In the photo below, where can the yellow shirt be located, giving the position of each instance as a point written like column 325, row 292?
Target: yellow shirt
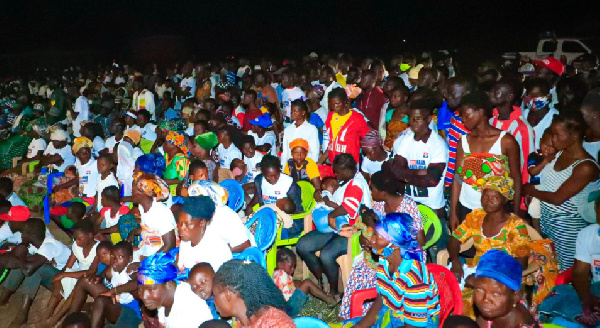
column 341, row 79
column 337, row 122
column 312, row 170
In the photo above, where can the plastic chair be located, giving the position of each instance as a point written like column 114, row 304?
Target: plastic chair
column 235, row 201
column 49, row 193
column 308, row 203
column 358, row 298
column 265, row 232
column 565, row 277
column 448, row 290
column 309, row 322
column 430, row 219
column 252, row 254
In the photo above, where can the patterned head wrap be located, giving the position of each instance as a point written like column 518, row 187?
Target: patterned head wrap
column 372, row 140
column 397, row 229
column 179, row 140
column 218, row 194
column 81, row 142
column 151, row 163
column 352, row 91
column 299, row 143
column 159, row 268
column 152, row 186
column 134, row 135
column 501, row 184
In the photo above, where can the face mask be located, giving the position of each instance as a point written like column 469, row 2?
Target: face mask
column 538, row 103
column 385, row 252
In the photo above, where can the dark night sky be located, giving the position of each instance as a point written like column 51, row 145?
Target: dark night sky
column 277, row 28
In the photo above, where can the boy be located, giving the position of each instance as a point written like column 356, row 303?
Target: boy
column 295, row 291
column 6, row 191
column 33, row 269
column 12, row 221
column 201, row 280
column 147, row 129
column 291, row 92
column 197, row 171
column 252, row 159
column 75, row 213
column 300, row 167
column 264, row 139
column 112, row 209
column 226, row 149
column 106, row 178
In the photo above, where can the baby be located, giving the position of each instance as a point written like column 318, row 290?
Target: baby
column 536, row 162
column 201, row 280
column 329, row 186
column 286, row 205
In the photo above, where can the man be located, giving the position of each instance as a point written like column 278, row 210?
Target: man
column 508, row 117
column 81, row 112
column 549, row 69
column 187, row 86
column 142, row 98
column 371, row 100
column 326, row 80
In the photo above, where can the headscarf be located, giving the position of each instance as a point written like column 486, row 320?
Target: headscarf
column 299, row 143
column 58, row 135
column 218, row 194
column 207, row 141
column 179, row 140
column 81, row 142
column 152, row 186
column 152, row 163
column 134, row 135
column 159, row 268
column 502, row 267
column 397, row 229
column 501, row 184
column 371, row 140
column 352, row 91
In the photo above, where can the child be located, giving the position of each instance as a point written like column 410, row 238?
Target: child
column 300, row 167
column 12, row 221
column 286, row 205
column 111, row 212
column 238, row 169
column 459, row 321
column 197, row 171
column 536, row 162
column 201, row 280
column 68, row 187
column 227, row 150
column 77, row 320
column 252, row 159
column 6, row 191
column 264, row 139
column 106, row 178
column 329, row 185
column 396, row 116
column 295, row 291
column 74, row 213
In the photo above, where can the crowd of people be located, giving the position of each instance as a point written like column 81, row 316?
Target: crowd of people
column 160, row 178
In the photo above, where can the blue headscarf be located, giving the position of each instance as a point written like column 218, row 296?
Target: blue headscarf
column 397, row 229
column 502, row 267
column 152, row 163
column 159, row 268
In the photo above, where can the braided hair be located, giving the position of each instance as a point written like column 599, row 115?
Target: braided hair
column 252, row 283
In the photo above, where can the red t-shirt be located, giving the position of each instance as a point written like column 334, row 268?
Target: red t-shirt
column 250, row 116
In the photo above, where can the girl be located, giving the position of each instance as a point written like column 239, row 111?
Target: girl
column 106, row 178
column 111, row 212
column 396, row 116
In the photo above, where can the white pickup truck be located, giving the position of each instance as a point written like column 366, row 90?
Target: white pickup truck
column 563, row 49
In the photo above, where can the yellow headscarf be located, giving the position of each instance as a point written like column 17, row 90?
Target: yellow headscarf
column 501, row 184
column 134, row 135
column 152, row 186
column 81, row 142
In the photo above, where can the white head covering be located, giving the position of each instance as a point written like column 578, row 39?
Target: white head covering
column 59, row 135
column 211, row 189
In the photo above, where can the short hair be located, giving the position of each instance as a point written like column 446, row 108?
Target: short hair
column 338, row 93
column 514, row 84
column 251, row 93
column 78, row 209
column 215, row 323
column 36, row 228
column 105, row 245
column 467, row 82
column 459, row 321
column 478, row 100
column 248, row 140
column 145, row 113
column 252, row 283
column 124, row 246
column 402, row 89
column 575, row 83
column 285, row 254
column 345, row 161
column 384, row 181
column 85, row 226
column 270, row 161
column 112, row 193
column 573, row 122
column 427, row 104
column 77, row 318
column 592, row 101
column 106, row 157
column 540, row 83
column 300, row 103
column 6, row 185
column 196, row 165
column 202, row 266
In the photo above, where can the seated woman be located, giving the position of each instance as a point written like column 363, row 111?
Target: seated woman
column 491, row 228
column 347, row 199
column 57, row 155
column 407, row 295
column 498, row 292
column 245, row 290
column 160, row 288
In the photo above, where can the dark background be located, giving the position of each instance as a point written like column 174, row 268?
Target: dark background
column 42, row 33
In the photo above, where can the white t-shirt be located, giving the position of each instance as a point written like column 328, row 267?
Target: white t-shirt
column 212, row 249
column 252, row 166
column 188, row 82
column 98, row 146
column 272, row 193
column 227, row 224
column 542, row 125
column 158, row 221
column 188, row 309
column 7, row 235
column 419, row 155
column 103, row 183
column 120, row 279
column 587, row 249
column 148, row 131
column 15, row 200
column 127, row 156
column 227, row 155
column 305, row 131
column 370, row 167
column 35, row 146
column 110, row 143
column 82, row 107
column 268, row 138
column 53, row 250
column 66, row 154
column 287, row 96
column 593, row 148
column 88, row 177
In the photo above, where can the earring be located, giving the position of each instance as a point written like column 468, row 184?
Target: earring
column 515, row 305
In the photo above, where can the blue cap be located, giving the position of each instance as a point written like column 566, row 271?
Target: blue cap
column 235, row 201
column 264, row 121
column 500, row 266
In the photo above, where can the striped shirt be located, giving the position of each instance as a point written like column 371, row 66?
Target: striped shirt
column 410, row 292
column 455, row 132
column 518, row 126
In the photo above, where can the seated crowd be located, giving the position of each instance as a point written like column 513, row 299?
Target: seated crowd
column 162, row 184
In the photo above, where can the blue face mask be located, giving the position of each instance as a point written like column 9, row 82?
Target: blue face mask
column 385, row 252
column 538, row 103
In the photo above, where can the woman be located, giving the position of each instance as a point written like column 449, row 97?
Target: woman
column 491, row 228
column 157, row 221
column 483, row 153
column 407, row 295
column 565, row 184
column 160, row 288
column 347, row 199
column 201, row 147
column 176, row 154
column 271, row 185
column 244, row 290
column 374, row 153
column 388, row 197
column 498, row 293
